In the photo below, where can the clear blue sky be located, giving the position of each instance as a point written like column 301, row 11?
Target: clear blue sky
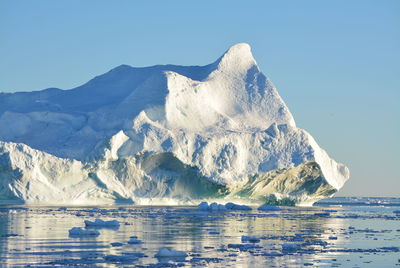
column 335, row 63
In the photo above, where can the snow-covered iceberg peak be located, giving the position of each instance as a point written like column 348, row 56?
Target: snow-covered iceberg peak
column 237, row 60
column 235, row 96
column 164, row 132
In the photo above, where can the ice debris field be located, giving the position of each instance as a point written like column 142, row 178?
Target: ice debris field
column 340, row 232
column 162, row 134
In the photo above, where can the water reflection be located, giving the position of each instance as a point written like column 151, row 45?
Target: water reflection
column 39, row 236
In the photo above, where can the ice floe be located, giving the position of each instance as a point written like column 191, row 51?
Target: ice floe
column 79, row 231
column 99, row 223
column 251, row 239
column 170, row 253
column 134, row 240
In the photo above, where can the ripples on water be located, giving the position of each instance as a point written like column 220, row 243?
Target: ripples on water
column 339, row 232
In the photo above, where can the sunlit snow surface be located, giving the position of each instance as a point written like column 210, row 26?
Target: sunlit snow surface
column 162, row 132
column 340, row 232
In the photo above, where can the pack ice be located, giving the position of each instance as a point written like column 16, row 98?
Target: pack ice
column 164, row 133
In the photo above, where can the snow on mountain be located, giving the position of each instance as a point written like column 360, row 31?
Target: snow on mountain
column 164, row 132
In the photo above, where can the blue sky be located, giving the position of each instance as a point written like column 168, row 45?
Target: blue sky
column 335, row 63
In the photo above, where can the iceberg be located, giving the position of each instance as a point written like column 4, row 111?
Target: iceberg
column 161, row 134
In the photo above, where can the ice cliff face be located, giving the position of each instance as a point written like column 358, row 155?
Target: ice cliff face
column 161, row 133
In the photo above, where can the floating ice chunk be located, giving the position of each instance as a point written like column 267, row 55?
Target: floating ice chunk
column 289, row 247
column 79, row 231
column 233, row 206
column 134, row 240
column 170, row 253
column 229, row 205
column 251, row 239
column 221, row 207
column 214, row 207
column 203, row 206
column 98, row 223
column 217, row 207
column 269, row 208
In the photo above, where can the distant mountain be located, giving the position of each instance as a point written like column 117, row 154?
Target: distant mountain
column 161, row 133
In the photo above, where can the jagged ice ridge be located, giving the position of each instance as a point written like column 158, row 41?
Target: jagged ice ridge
column 164, row 133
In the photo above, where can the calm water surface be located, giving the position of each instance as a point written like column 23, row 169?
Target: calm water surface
column 339, row 232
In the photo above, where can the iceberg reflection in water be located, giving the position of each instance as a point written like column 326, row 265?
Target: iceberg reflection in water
column 364, row 236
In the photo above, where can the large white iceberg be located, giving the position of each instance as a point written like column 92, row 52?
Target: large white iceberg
column 164, row 133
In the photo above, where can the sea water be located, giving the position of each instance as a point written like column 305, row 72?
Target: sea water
column 337, row 232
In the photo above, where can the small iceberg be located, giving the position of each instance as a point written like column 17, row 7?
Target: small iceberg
column 79, row 231
column 134, row 240
column 98, row 223
column 269, row 208
column 217, row 207
column 170, row 253
column 214, row 207
column 203, row 206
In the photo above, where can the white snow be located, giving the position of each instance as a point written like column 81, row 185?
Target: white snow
column 140, row 134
